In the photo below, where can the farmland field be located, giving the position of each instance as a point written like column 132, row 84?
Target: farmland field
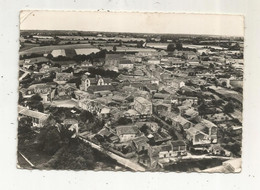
column 158, row 45
column 128, row 49
column 202, row 46
column 86, row 51
column 49, row 49
column 58, row 52
column 70, row 52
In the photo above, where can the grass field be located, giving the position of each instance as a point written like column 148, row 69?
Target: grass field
column 28, row 46
column 36, row 60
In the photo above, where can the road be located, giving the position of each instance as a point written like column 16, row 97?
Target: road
column 24, row 75
column 179, row 136
column 64, row 103
column 127, row 163
column 201, row 157
column 23, row 161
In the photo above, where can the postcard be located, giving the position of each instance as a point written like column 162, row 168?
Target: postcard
column 130, row 91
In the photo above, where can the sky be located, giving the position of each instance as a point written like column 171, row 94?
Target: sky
column 170, row 23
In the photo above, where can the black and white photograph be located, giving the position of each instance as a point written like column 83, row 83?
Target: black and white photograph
column 130, row 91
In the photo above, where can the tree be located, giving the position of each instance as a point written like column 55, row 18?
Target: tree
column 217, row 103
column 20, row 100
column 49, row 56
column 24, row 125
column 69, row 70
column 171, row 47
column 211, row 66
column 144, row 129
column 224, row 83
column 36, row 97
column 179, row 46
column 124, row 121
column 140, row 44
column 229, row 108
column 35, row 103
column 86, row 115
column 202, row 109
column 173, row 134
column 114, row 48
column 52, row 141
column 204, row 54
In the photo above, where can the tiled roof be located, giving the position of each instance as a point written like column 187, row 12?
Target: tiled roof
column 126, row 129
column 178, row 143
column 31, row 113
column 96, row 88
column 142, row 100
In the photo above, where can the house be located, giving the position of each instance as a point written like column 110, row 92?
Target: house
column 209, row 128
column 161, row 95
column 152, row 88
column 125, row 64
column 140, row 143
column 112, row 59
column 159, row 107
column 143, row 106
column 154, row 61
column 236, row 83
column 177, row 63
column 229, row 166
column 80, row 95
column 165, row 151
column 191, row 114
column 131, row 114
column 86, row 64
column 115, row 113
column 99, row 89
column 179, row 148
column 197, row 137
column 171, row 149
column 65, row 91
column 180, row 100
column 158, row 137
column 181, row 123
column 45, row 91
column 38, row 118
column 188, row 90
column 205, row 75
column 193, row 63
column 119, row 98
column 104, row 133
column 190, row 55
column 138, row 73
column 152, row 126
column 233, row 165
column 87, row 81
column 62, row 78
column 148, row 159
column 27, row 63
column 218, row 117
column 126, row 132
column 47, row 69
column 198, row 82
column 216, row 149
column 72, row 125
column 138, row 85
column 183, row 108
column 94, row 107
